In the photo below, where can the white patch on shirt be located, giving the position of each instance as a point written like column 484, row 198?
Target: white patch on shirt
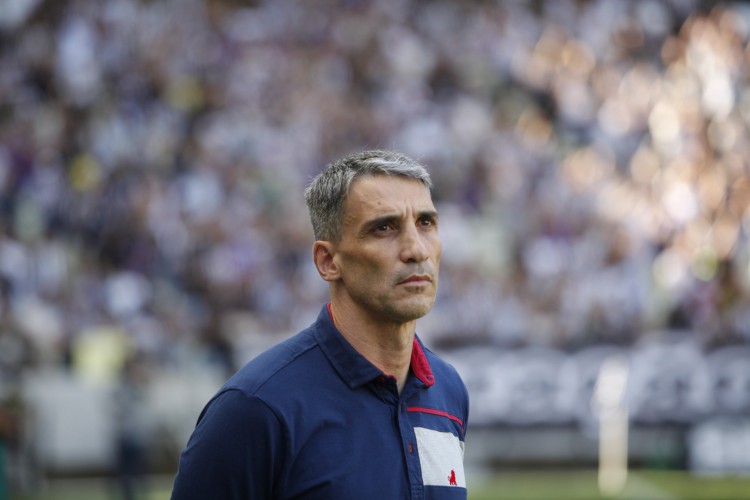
column 441, row 455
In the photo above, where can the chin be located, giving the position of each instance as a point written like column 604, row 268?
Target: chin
column 411, row 312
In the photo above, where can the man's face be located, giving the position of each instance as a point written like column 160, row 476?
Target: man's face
column 389, row 253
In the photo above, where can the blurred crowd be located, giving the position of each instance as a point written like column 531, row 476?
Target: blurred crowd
column 590, row 160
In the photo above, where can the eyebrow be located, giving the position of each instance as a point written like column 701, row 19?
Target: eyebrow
column 430, row 214
column 384, row 219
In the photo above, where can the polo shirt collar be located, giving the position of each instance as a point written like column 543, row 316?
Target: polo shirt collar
column 354, row 368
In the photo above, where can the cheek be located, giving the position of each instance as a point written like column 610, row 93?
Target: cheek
column 437, row 249
column 363, row 266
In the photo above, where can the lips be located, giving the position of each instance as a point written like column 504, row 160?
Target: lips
column 417, row 278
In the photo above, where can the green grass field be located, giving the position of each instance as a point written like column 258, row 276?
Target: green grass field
column 517, row 485
column 579, row 485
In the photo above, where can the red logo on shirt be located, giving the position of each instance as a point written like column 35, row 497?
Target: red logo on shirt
column 452, row 479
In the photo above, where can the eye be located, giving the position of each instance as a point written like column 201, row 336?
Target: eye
column 427, row 221
column 382, row 228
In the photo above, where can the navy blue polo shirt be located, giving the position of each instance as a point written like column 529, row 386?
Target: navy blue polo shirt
column 311, row 418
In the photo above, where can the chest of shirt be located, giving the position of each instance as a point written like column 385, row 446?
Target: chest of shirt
column 375, row 444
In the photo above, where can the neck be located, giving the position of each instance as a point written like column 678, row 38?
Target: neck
column 386, row 345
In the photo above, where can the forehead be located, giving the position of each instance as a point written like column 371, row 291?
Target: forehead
column 386, row 195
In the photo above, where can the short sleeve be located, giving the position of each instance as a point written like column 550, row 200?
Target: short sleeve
column 236, row 451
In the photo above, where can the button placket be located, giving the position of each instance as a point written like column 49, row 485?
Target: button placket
column 409, row 442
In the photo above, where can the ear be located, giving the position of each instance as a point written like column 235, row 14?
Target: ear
column 323, row 252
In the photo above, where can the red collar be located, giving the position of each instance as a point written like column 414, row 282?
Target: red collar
column 419, row 364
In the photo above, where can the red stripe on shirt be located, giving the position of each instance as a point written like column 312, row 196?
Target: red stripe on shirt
column 440, row 413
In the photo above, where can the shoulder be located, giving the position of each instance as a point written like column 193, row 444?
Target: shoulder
column 263, row 384
column 291, row 355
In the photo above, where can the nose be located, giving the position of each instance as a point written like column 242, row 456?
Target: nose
column 414, row 248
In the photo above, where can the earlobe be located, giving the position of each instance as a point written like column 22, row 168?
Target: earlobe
column 324, row 262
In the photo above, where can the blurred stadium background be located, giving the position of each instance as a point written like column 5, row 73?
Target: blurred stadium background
column 591, row 168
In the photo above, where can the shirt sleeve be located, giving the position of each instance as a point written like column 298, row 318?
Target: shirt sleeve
column 235, row 452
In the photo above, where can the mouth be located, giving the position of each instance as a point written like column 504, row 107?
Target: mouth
column 417, row 279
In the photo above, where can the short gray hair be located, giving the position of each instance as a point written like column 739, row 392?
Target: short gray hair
column 327, row 192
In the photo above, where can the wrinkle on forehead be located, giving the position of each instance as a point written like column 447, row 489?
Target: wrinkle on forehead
column 371, row 197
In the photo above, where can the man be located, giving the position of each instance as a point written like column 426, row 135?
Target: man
column 353, row 407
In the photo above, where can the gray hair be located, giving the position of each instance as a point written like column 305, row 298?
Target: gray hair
column 327, row 192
